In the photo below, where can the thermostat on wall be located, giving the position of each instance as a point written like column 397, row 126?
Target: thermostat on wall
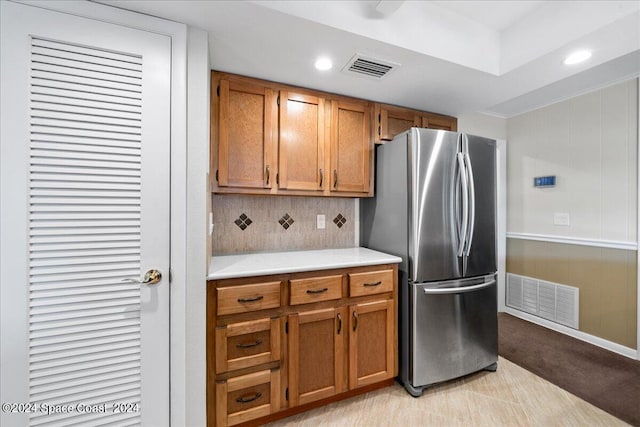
column 544, row 181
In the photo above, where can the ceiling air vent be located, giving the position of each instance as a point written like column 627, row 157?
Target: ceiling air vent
column 369, row 67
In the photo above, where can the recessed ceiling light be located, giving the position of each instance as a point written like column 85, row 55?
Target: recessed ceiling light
column 577, row 57
column 323, row 64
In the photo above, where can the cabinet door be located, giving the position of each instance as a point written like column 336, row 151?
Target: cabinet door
column 245, row 135
column 372, row 343
column 301, row 150
column 394, row 120
column 434, row 121
column 351, row 146
column 316, row 354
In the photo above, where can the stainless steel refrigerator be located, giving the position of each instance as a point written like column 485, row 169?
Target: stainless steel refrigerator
column 435, row 207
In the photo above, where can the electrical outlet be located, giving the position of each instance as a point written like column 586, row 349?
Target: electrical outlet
column 320, row 222
column 561, row 219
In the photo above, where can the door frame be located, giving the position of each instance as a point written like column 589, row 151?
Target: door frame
column 188, row 248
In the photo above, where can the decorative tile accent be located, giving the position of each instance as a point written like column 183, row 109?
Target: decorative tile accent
column 266, row 234
column 243, row 222
column 339, row 220
column 286, row 221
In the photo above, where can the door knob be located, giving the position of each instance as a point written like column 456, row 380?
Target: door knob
column 151, row 277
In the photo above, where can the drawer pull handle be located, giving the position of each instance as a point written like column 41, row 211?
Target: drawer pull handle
column 249, row 345
column 339, row 323
column 317, row 291
column 254, row 299
column 248, row 398
column 355, row 321
column 373, row 284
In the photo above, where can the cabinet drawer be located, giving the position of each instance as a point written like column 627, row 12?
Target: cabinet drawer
column 247, row 397
column 251, row 297
column 315, row 289
column 374, row 282
column 241, row 345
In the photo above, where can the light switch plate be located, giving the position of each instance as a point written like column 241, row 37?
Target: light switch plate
column 320, row 222
column 561, row 219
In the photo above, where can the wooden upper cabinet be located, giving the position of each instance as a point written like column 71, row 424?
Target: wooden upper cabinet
column 245, row 126
column 395, row 120
column 436, row 121
column 351, row 146
column 392, row 120
column 271, row 138
column 302, row 134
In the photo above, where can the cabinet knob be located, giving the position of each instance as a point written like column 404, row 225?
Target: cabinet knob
column 335, row 178
column 268, row 174
column 321, row 178
column 339, row 323
column 355, row 321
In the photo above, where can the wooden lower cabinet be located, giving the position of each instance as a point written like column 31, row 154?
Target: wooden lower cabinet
column 327, row 335
column 247, row 397
column 246, row 344
column 371, row 343
column 316, row 354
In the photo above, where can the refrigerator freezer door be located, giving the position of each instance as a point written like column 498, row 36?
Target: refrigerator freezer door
column 454, row 329
column 481, row 244
column 433, row 234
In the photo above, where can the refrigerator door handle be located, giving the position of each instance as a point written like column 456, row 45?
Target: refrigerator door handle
column 456, row 205
column 472, row 204
column 440, row 291
column 465, row 204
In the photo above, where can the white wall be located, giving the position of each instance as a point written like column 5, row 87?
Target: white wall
column 483, row 125
column 590, row 144
column 191, row 342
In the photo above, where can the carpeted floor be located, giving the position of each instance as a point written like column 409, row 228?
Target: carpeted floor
column 603, row 378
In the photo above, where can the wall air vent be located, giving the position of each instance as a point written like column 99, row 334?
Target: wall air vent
column 552, row 301
column 372, row 68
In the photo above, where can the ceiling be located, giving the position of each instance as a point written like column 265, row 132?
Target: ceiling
column 455, row 57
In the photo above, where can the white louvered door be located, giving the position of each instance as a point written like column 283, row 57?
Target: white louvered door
column 85, row 208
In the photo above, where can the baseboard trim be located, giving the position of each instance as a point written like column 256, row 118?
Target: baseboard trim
column 591, row 339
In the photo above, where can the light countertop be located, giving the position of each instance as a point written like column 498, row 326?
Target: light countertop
column 260, row 264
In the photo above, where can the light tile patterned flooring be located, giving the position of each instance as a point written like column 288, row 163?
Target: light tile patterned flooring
column 511, row 396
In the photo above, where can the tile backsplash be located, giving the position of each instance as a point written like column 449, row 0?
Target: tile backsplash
column 281, row 223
